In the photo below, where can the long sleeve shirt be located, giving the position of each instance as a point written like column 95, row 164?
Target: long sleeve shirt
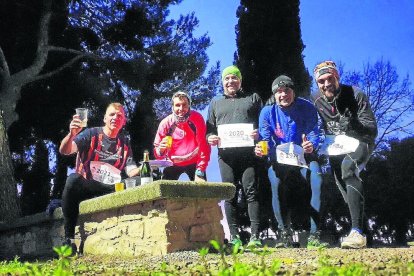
column 350, row 102
column 189, row 144
column 279, row 125
column 233, row 110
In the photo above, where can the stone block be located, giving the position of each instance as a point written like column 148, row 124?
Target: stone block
column 155, row 219
column 200, row 233
column 136, row 229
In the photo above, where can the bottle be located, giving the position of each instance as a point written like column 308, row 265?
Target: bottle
column 146, row 171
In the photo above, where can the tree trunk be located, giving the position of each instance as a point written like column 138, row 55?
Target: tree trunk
column 8, row 189
column 401, row 228
column 60, row 176
column 144, row 126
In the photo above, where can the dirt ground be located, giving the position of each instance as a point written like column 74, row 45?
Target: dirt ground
column 298, row 261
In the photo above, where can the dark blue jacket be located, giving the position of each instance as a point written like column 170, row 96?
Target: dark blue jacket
column 279, row 125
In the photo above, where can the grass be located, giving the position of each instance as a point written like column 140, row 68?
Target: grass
column 224, row 261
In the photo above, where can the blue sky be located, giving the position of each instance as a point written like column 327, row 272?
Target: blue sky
column 351, row 32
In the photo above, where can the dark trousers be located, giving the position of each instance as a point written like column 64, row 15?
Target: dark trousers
column 346, row 169
column 174, row 172
column 240, row 168
column 76, row 190
column 291, row 188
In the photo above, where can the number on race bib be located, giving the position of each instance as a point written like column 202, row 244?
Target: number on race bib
column 236, row 133
column 104, row 172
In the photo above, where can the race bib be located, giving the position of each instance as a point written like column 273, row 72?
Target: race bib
column 104, row 172
column 291, row 154
column 338, row 145
column 235, row 135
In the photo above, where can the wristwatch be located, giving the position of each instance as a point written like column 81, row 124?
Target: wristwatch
column 200, row 173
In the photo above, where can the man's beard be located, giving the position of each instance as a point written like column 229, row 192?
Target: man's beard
column 181, row 119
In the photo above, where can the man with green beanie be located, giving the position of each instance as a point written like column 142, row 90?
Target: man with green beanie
column 237, row 163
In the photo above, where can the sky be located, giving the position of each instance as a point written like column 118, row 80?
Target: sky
column 353, row 32
column 348, row 32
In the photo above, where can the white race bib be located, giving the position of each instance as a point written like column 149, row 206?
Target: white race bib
column 338, row 145
column 291, row 154
column 235, row 135
column 104, row 172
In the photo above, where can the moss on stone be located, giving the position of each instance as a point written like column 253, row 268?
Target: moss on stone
column 168, row 189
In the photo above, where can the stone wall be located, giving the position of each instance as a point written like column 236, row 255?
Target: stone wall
column 154, row 219
column 154, row 228
column 32, row 236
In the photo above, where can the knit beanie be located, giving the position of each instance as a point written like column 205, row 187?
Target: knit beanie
column 282, row 81
column 231, row 70
column 180, row 94
column 326, row 67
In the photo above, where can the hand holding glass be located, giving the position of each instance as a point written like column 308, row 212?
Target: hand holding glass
column 264, row 146
column 83, row 115
column 169, row 141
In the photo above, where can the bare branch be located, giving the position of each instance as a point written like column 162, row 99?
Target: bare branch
column 390, row 98
column 67, row 50
column 4, row 69
column 79, row 56
column 57, row 70
column 24, row 75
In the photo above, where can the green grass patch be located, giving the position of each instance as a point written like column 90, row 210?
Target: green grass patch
column 224, row 261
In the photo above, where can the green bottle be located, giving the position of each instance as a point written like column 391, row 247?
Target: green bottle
column 146, row 171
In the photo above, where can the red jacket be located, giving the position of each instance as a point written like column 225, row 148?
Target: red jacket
column 189, row 144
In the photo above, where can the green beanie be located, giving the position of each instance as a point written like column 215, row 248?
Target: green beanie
column 231, row 70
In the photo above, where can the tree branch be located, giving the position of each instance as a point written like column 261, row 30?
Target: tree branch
column 24, row 75
column 57, row 70
column 79, row 56
column 67, row 50
column 4, row 69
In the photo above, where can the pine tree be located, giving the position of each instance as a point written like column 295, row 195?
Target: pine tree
column 90, row 53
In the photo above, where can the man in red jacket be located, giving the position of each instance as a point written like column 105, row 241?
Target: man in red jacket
column 189, row 150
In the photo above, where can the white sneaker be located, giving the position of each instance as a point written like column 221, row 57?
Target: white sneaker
column 354, row 240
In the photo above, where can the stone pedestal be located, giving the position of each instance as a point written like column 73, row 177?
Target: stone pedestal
column 154, row 219
column 155, row 228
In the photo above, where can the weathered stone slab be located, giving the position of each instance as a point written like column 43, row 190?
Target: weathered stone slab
column 155, row 219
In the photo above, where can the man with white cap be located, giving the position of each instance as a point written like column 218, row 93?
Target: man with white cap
column 237, row 164
column 345, row 110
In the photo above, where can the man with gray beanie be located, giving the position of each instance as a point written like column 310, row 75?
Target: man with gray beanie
column 285, row 121
column 237, row 164
column 346, row 112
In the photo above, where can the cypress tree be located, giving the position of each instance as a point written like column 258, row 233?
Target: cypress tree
column 269, row 43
